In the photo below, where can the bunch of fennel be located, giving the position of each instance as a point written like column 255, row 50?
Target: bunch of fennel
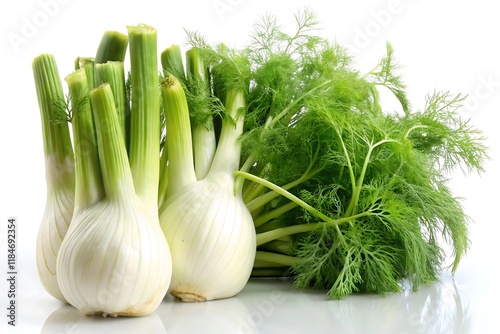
column 275, row 160
column 345, row 196
column 114, row 259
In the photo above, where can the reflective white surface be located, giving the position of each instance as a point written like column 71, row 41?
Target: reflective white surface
column 452, row 306
column 443, row 45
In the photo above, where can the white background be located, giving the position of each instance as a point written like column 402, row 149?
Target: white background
column 443, row 45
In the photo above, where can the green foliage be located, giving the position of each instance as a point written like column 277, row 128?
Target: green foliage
column 315, row 127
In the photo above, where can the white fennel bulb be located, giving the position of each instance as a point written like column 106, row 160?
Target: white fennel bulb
column 55, row 223
column 207, row 225
column 59, row 172
column 115, row 259
column 212, row 237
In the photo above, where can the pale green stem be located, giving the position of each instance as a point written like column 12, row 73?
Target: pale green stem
column 113, row 47
column 284, row 231
column 258, row 202
column 296, row 102
column 171, row 62
column 144, row 151
column 351, row 208
column 163, row 183
column 265, row 237
column 227, row 155
column 204, row 142
column 352, row 177
column 413, row 128
column 59, row 158
column 253, row 191
column 115, row 169
column 250, row 161
column 204, row 145
column 88, row 187
column 283, row 192
column 281, row 232
column 270, row 225
column 269, row 259
column 179, row 144
column 279, row 246
column 87, row 64
column 269, row 196
column 113, row 72
column 270, row 215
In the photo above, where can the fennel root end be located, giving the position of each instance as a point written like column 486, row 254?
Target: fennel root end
column 189, row 297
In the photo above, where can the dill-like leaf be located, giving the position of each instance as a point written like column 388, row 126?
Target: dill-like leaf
column 384, row 74
column 315, row 127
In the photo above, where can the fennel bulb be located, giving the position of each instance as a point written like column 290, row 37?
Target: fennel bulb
column 211, row 235
column 207, row 225
column 59, row 159
column 59, row 172
column 114, row 259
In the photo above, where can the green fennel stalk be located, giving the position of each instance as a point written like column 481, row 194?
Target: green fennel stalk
column 144, row 147
column 113, row 72
column 203, row 132
column 89, row 189
column 179, row 143
column 113, row 47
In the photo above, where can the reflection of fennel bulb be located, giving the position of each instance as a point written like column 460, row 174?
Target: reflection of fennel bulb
column 67, row 319
column 59, row 173
column 208, row 227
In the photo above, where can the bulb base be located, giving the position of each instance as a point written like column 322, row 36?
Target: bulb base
column 188, row 297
